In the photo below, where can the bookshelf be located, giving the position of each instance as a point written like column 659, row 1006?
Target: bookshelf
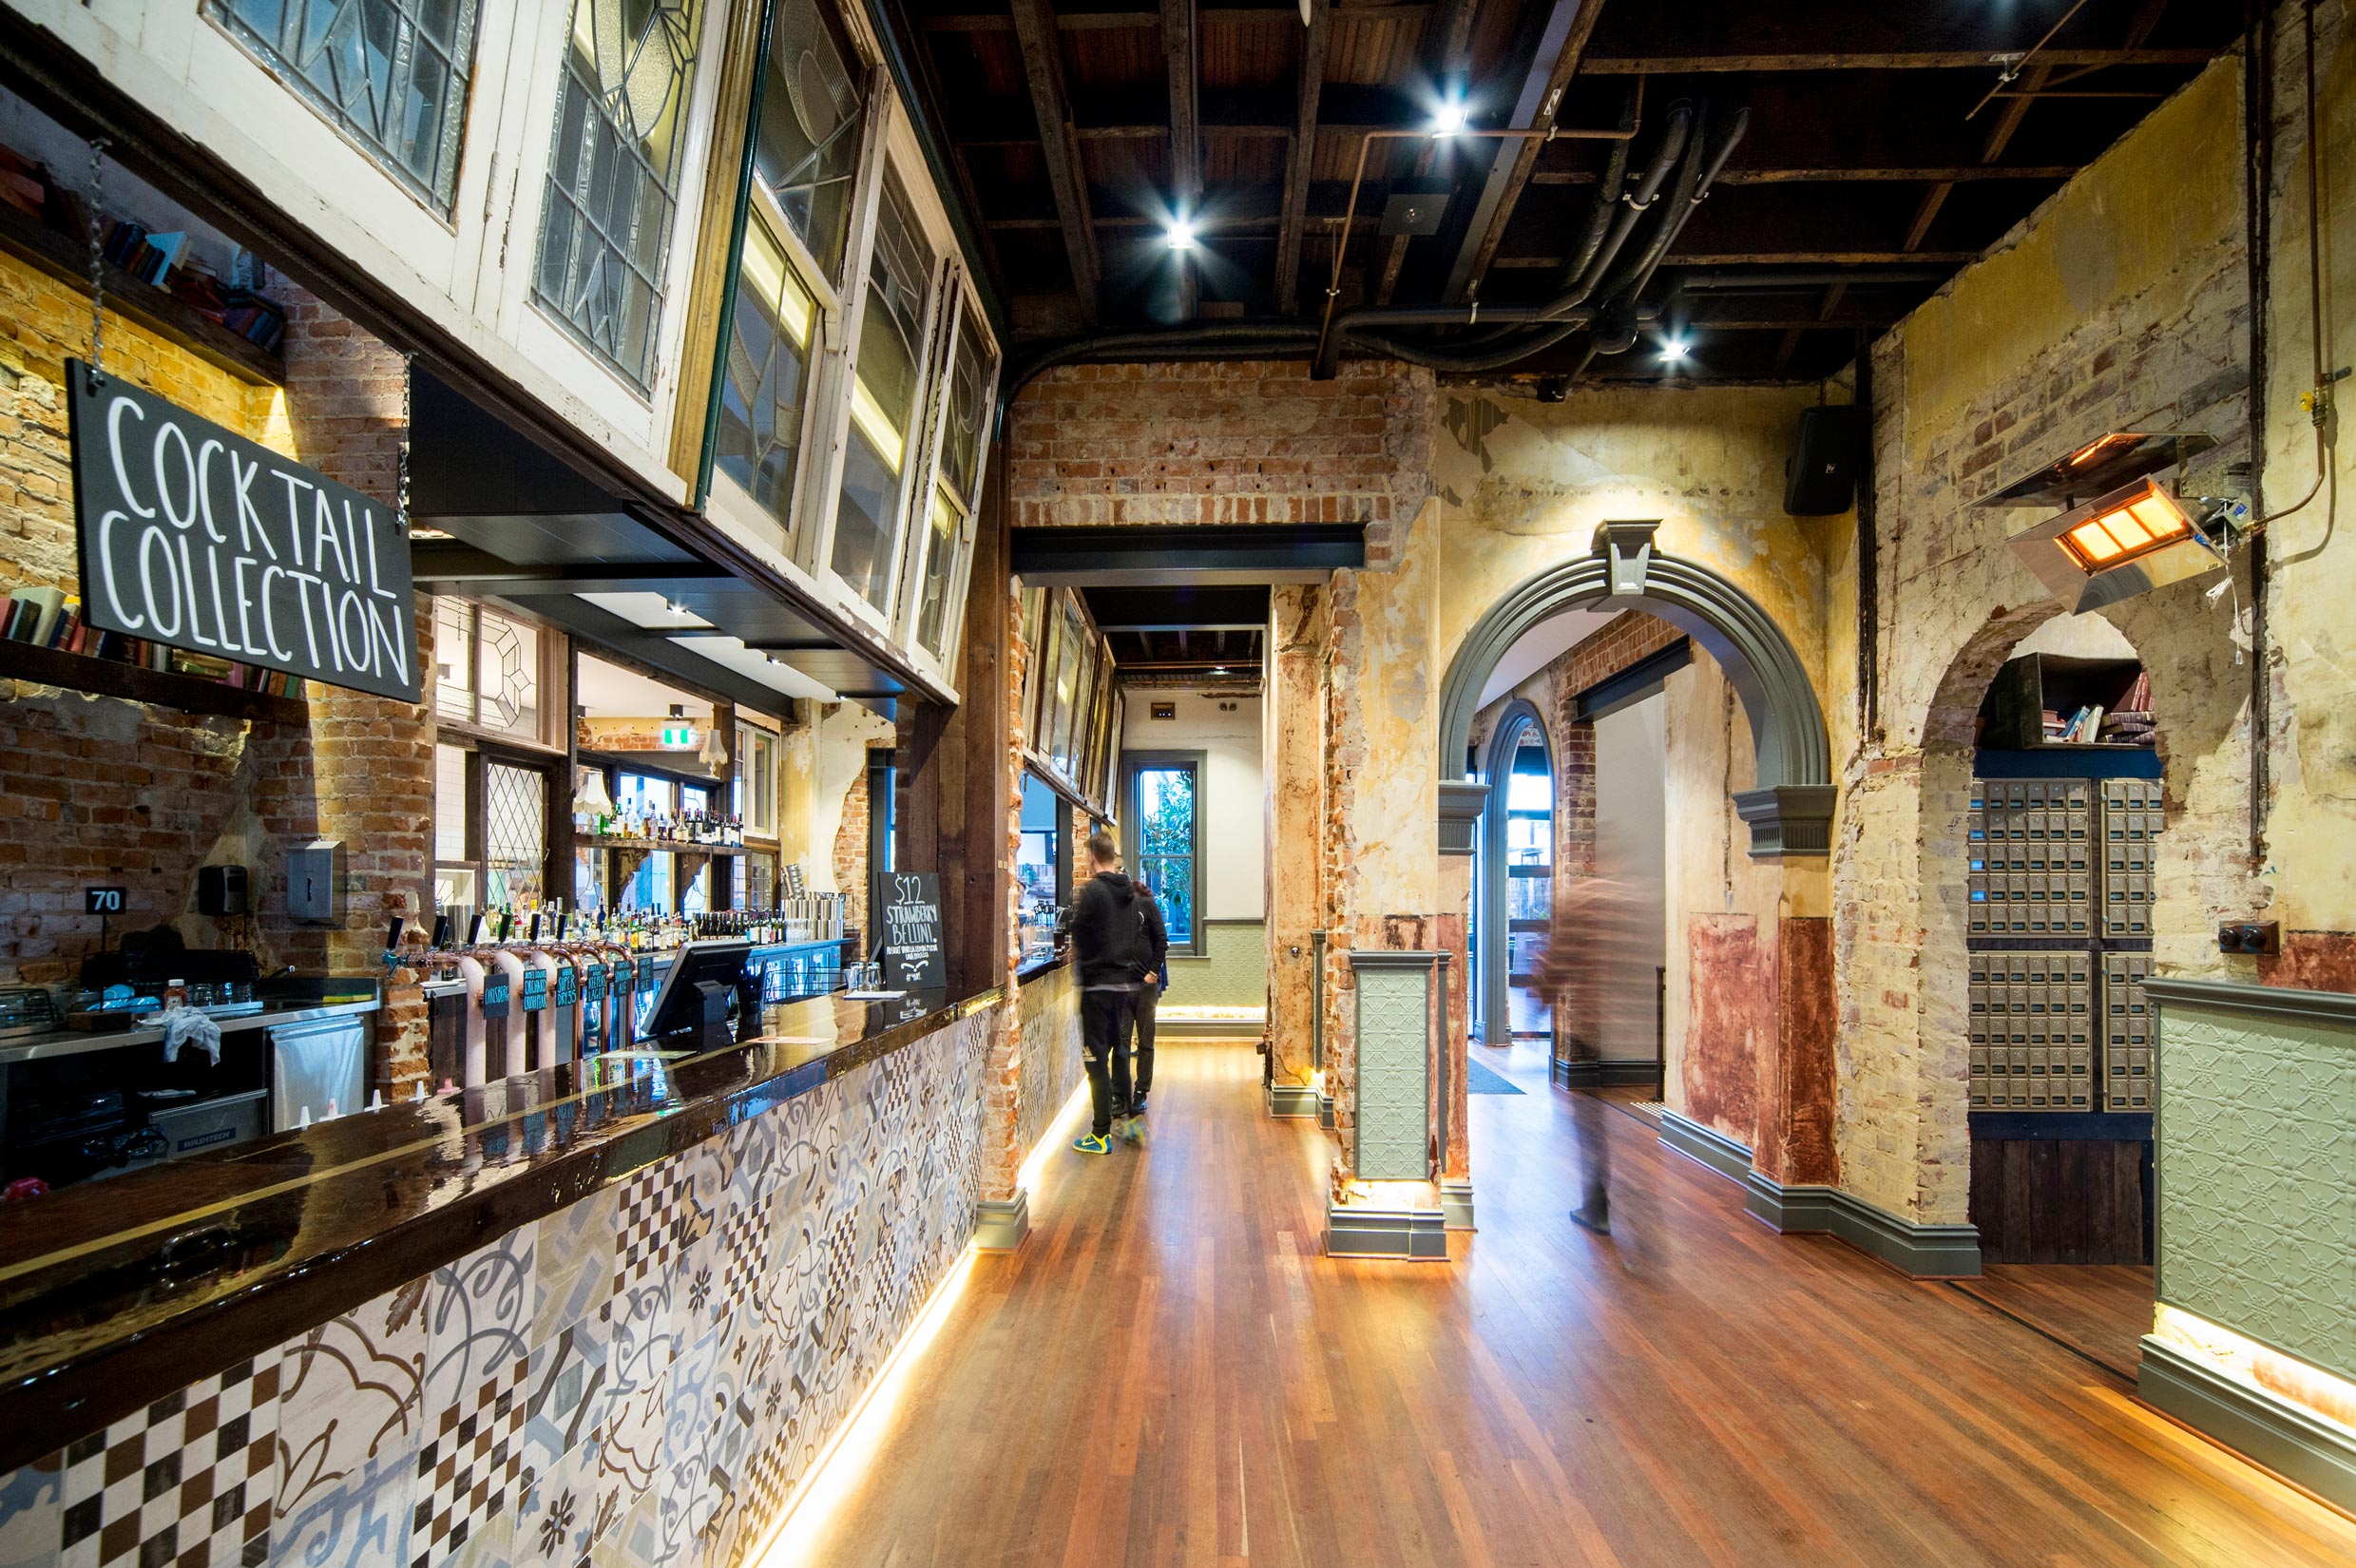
column 67, row 259
column 112, row 678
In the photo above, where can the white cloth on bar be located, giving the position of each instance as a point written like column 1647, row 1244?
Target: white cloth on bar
column 185, row 1026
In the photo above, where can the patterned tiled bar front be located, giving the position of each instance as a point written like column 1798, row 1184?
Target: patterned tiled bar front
column 639, row 1378
column 1048, row 1013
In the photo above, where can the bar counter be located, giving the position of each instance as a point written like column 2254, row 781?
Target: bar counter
column 114, row 1295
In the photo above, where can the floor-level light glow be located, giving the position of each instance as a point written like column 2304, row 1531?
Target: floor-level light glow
column 2257, row 1366
column 1059, row 1132
column 1448, row 117
column 1180, row 234
column 847, row 1458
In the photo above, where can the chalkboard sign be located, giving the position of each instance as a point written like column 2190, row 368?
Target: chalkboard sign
column 908, row 905
column 196, row 538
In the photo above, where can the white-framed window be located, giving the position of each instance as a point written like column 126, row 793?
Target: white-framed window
column 786, row 323
column 613, row 184
column 939, row 555
column 886, row 385
column 755, row 785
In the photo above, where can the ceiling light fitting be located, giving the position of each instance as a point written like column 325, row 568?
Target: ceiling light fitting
column 1180, row 234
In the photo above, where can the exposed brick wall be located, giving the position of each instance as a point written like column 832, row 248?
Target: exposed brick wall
column 101, row 790
column 1220, row 443
column 850, row 846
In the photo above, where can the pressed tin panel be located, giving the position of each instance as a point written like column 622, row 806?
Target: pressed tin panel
column 1394, row 1047
column 2256, row 1164
column 1233, row 971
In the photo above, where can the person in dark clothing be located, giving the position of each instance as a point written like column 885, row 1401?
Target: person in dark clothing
column 1109, row 945
column 1149, row 995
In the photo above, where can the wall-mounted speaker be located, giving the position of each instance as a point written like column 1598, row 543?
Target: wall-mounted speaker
column 1820, row 477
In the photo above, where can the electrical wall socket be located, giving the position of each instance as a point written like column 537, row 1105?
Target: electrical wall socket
column 2250, row 936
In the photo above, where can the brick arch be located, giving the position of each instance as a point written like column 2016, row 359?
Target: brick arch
column 1790, row 809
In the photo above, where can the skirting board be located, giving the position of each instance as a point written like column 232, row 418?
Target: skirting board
column 1705, row 1146
column 1604, row 1074
column 1925, row 1251
column 1290, row 1099
column 1417, row 1234
column 1000, row 1224
column 2284, row 1439
column 1456, row 1204
column 1166, row 1027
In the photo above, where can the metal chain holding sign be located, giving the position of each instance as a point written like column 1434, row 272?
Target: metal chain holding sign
column 409, row 379
column 98, row 261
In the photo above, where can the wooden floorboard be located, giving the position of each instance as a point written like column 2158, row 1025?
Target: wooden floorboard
column 1170, row 1372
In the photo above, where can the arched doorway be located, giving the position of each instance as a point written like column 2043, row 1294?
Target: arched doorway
column 1493, row 926
column 1790, row 811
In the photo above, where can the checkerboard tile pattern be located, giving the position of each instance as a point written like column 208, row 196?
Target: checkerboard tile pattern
column 471, row 1467
column 186, row 1482
column 646, row 1223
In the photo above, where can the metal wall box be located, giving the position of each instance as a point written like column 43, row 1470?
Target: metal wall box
column 315, row 882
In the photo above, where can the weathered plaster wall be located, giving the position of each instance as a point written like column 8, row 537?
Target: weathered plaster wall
column 1293, row 747
column 2119, row 305
column 838, row 805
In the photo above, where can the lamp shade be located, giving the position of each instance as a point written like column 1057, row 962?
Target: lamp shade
column 715, row 753
column 591, row 797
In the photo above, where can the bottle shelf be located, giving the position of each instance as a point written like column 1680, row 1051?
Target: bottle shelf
column 676, row 845
column 29, row 661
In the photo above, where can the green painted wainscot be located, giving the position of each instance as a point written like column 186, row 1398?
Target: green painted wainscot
column 2255, row 1162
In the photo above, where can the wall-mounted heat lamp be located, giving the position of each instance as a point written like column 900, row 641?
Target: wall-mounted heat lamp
column 2121, row 532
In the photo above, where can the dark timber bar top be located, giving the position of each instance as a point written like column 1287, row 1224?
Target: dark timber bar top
column 113, row 1293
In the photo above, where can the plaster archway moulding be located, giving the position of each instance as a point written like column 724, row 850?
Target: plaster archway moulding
column 1790, row 808
column 1497, row 957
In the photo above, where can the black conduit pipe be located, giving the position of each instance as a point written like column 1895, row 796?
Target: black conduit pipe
column 1236, row 339
column 1362, row 326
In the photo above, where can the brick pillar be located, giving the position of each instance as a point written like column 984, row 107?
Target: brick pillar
column 1293, row 745
column 364, row 772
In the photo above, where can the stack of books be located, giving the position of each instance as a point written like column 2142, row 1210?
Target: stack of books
column 2132, row 723
column 49, row 618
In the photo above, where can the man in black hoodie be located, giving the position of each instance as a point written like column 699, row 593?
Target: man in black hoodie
column 1149, row 994
column 1109, row 945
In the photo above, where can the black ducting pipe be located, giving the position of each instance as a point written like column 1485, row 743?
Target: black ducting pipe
column 1568, row 307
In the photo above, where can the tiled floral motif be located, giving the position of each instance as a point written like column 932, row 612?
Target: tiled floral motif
column 638, row 1380
column 186, row 1481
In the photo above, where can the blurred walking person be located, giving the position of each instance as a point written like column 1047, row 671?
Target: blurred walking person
column 1595, row 918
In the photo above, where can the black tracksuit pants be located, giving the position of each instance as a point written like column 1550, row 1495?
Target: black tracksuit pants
column 1105, row 1018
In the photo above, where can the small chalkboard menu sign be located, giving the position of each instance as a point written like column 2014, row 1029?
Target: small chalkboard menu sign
column 908, row 910
column 194, row 537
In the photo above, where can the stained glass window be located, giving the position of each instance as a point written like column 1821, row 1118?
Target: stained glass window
column 613, row 176
column 965, row 412
column 811, row 109
column 768, row 379
column 884, row 398
column 390, row 75
column 515, row 834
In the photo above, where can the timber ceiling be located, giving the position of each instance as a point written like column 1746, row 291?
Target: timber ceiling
column 1888, row 142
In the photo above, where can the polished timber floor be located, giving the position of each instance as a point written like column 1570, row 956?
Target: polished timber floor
column 1170, row 1372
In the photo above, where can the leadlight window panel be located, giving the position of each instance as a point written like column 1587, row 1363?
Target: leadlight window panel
column 941, row 532
column 515, row 834
column 613, row 176
column 962, row 439
column 885, row 384
column 454, row 659
column 391, row 74
column 812, row 107
column 766, row 394
column 449, row 803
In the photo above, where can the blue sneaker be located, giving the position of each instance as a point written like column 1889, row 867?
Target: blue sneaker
column 1089, row 1143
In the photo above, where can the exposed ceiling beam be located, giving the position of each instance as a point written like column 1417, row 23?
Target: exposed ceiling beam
column 2033, row 80
column 1448, row 51
column 1955, row 174
column 1302, row 159
column 1043, row 66
column 1097, row 20
column 1763, row 258
column 1560, row 45
column 1180, row 65
column 1685, row 65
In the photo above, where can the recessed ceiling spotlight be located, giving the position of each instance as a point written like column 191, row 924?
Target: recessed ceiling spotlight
column 1180, row 234
column 1448, row 117
column 1673, row 349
